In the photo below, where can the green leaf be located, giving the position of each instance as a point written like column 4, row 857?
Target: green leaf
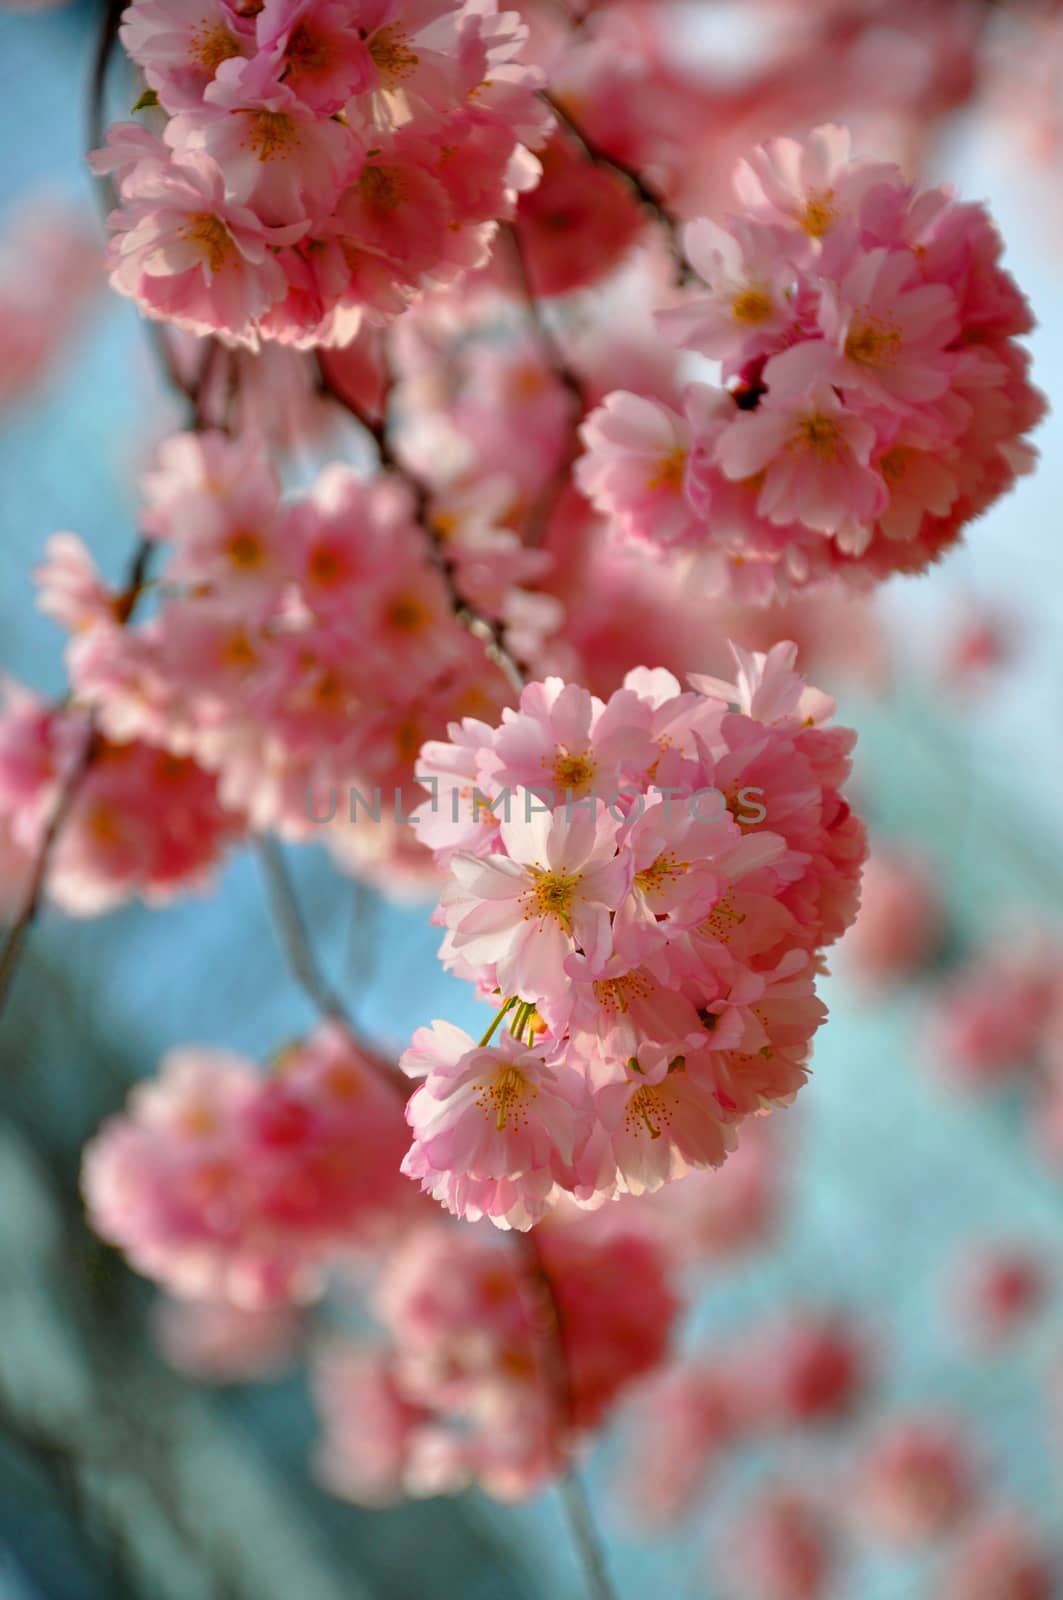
column 148, row 98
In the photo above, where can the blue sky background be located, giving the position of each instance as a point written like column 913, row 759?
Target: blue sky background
column 894, row 1174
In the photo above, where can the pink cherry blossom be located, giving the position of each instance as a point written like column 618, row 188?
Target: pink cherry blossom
column 783, row 1549
column 221, row 1183
column 874, row 397
column 901, row 924
column 1002, row 1557
column 519, row 916
column 752, row 303
column 492, row 1125
column 918, row 1479
column 188, row 255
column 813, row 453
column 635, row 468
column 670, row 967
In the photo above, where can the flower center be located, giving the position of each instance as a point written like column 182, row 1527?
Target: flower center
column 652, row 879
column 751, row 305
column 211, row 45
column 872, row 342
column 212, row 237
column 406, row 614
column 238, row 651
column 245, row 550
column 343, row 1082
column 382, row 188
column 614, row 994
column 647, row 1109
column 894, row 464
column 325, row 567
column 573, row 773
column 273, row 133
column 723, row 920
column 505, row 1097
column 392, row 56
column 820, row 434
column 819, row 215
column 307, row 52
column 551, row 895
column 670, row 472
column 196, row 1121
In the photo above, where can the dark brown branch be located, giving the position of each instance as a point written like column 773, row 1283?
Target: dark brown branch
column 648, row 195
column 490, row 631
column 15, row 938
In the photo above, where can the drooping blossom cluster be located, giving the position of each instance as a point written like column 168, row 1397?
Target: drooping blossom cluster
column 646, row 886
column 466, row 1388
column 874, row 397
column 318, row 162
column 303, row 649
column 803, row 1371
column 919, row 1478
column 901, row 926
column 144, row 820
column 222, row 1182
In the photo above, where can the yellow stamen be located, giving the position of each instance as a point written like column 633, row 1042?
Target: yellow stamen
column 212, row 237
column 872, row 342
column 382, row 188
column 573, row 772
column 670, row 472
column 272, row 133
column 751, row 305
column 819, row 215
column 614, row 994
column 504, row 1097
column 820, row 434
column 649, row 1107
column 245, row 550
column 391, row 53
column 551, row 895
column 652, row 879
column 406, row 614
column 210, row 45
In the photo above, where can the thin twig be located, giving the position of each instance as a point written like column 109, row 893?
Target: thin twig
column 301, row 959
column 585, row 1535
column 105, row 43
column 577, row 1507
column 648, row 195
column 293, row 935
column 15, row 938
column 490, row 631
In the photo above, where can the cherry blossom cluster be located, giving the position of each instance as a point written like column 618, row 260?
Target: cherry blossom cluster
column 803, row 1371
column 645, row 885
column 466, row 1389
column 874, row 401
column 319, row 161
column 49, row 270
column 226, row 1183
column 302, row 649
column 996, row 1024
column 143, row 820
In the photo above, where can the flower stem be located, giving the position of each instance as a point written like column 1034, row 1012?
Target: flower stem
column 499, row 1014
column 585, row 1536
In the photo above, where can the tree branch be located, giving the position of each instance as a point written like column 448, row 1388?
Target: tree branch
column 490, row 631
column 574, row 1499
column 648, row 195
